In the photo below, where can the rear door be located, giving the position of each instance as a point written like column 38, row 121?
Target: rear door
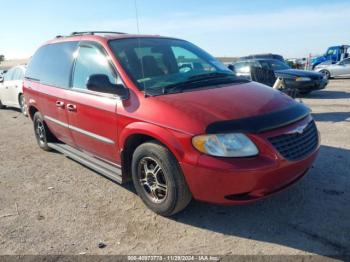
column 49, row 73
column 15, row 86
column 92, row 115
column 5, row 92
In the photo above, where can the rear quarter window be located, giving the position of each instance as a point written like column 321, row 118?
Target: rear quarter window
column 52, row 64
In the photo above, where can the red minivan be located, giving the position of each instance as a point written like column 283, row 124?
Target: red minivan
column 167, row 115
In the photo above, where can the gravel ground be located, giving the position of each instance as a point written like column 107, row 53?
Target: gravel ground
column 52, row 205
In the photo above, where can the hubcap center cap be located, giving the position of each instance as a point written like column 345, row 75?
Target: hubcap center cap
column 151, row 180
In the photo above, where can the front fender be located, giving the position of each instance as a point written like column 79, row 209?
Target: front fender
column 167, row 137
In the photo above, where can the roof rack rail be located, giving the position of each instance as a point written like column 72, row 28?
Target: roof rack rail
column 96, row 32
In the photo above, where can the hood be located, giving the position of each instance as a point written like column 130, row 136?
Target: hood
column 318, row 60
column 193, row 111
column 298, row 73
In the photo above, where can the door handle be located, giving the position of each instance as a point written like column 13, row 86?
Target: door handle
column 71, row 108
column 60, row 104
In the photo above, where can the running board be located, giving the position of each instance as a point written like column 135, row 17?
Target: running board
column 110, row 171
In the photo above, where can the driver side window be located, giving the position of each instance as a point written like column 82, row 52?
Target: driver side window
column 332, row 51
column 91, row 61
column 346, row 61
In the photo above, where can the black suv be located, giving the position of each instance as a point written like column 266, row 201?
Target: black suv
column 303, row 81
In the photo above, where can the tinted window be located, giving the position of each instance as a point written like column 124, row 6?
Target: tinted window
column 52, row 64
column 91, row 61
column 274, row 65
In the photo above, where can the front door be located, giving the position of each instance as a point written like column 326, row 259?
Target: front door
column 55, row 74
column 344, row 67
column 92, row 115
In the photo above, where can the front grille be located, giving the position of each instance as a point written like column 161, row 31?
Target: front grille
column 297, row 146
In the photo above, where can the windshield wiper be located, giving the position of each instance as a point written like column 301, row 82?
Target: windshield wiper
column 210, row 76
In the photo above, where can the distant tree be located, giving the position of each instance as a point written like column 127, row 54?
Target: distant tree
column 2, row 58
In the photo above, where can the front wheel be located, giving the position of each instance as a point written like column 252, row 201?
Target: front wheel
column 326, row 74
column 158, row 179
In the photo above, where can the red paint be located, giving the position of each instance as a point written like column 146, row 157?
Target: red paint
column 173, row 120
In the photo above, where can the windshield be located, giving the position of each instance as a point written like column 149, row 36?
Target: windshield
column 156, row 63
column 275, row 65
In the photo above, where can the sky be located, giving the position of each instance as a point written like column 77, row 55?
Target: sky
column 291, row 28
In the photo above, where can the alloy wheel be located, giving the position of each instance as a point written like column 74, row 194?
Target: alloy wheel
column 326, row 74
column 40, row 132
column 152, row 180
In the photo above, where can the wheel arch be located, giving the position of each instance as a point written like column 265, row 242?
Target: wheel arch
column 31, row 111
column 19, row 95
column 136, row 134
column 327, row 70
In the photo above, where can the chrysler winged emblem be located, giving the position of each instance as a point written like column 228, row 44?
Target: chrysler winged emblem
column 299, row 130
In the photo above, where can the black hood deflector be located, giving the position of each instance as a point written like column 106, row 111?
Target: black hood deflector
column 261, row 123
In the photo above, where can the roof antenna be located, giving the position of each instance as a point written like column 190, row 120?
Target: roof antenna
column 139, row 44
column 137, row 17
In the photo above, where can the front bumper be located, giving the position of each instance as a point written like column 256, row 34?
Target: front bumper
column 304, row 86
column 240, row 181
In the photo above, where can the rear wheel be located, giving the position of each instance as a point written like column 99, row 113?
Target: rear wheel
column 42, row 133
column 158, row 179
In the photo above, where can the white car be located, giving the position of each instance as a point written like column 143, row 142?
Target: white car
column 330, row 70
column 11, row 92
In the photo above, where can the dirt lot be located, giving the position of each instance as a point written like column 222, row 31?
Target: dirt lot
column 57, row 206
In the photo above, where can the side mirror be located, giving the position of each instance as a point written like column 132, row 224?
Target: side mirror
column 1, row 79
column 101, row 83
column 231, row 67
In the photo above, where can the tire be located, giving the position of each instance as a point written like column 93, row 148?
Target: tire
column 42, row 133
column 326, row 73
column 21, row 102
column 162, row 187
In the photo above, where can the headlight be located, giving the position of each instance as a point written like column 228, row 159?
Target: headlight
column 225, row 145
column 300, row 79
